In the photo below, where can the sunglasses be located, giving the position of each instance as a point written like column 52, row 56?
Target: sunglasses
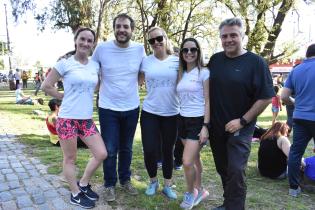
column 158, row 38
column 193, row 50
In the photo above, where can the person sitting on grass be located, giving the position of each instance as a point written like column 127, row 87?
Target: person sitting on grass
column 308, row 174
column 51, row 119
column 21, row 98
column 273, row 152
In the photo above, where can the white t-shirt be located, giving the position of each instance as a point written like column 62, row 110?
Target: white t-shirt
column 18, row 95
column 119, row 76
column 17, row 76
column 79, row 82
column 160, row 80
column 190, row 92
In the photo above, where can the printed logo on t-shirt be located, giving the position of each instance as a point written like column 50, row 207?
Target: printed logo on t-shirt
column 156, row 83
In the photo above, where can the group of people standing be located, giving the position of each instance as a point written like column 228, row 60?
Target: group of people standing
column 14, row 79
column 180, row 102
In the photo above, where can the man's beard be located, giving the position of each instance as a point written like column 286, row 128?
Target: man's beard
column 123, row 41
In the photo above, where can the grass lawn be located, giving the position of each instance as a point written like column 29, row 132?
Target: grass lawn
column 262, row 193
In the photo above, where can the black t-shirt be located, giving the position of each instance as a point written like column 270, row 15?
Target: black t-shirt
column 236, row 84
column 272, row 162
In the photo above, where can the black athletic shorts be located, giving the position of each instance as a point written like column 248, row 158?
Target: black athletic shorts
column 189, row 127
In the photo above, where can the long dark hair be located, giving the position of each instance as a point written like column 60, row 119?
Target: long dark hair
column 182, row 62
column 278, row 129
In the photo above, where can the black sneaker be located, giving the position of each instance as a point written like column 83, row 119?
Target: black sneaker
column 88, row 192
column 82, row 201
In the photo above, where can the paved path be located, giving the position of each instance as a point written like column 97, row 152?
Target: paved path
column 25, row 184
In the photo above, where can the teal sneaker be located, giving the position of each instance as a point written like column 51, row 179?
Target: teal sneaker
column 188, row 201
column 152, row 188
column 168, row 192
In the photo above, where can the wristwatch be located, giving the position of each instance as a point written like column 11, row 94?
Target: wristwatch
column 243, row 121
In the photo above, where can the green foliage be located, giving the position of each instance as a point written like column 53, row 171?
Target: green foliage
column 20, row 7
column 263, row 21
column 3, row 48
column 73, row 14
column 179, row 18
column 1, row 63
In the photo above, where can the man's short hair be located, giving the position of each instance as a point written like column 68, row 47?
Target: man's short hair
column 124, row 16
column 310, row 52
column 232, row 22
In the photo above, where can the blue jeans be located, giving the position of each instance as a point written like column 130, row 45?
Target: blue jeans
column 303, row 132
column 290, row 109
column 118, row 130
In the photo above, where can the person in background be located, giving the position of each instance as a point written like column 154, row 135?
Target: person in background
column 11, row 80
column 280, row 80
column 276, row 105
column 289, row 110
column 160, row 109
column 81, row 76
column 300, row 82
column 179, row 147
column 54, row 105
column 17, row 77
column 21, row 98
column 38, row 83
column 194, row 118
column 119, row 101
column 24, row 79
column 308, row 174
column 273, row 151
column 241, row 88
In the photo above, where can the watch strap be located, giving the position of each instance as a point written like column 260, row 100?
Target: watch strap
column 243, row 121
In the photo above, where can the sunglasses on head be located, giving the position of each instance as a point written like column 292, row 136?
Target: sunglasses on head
column 192, row 50
column 158, row 38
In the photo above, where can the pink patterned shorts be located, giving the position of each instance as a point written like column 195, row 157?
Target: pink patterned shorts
column 71, row 128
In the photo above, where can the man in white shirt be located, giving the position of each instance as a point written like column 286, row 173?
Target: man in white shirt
column 120, row 61
column 17, row 76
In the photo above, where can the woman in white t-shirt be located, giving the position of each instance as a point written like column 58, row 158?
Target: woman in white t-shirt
column 80, row 76
column 159, row 110
column 193, row 93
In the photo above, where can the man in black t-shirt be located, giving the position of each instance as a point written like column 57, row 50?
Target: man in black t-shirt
column 240, row 89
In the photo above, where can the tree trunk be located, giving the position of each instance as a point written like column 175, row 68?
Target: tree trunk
column 100, row 19
column 276, row 29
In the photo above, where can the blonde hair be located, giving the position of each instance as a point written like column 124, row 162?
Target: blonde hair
column 169, row 47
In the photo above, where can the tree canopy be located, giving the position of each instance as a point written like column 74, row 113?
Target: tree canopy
column 180, row 19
